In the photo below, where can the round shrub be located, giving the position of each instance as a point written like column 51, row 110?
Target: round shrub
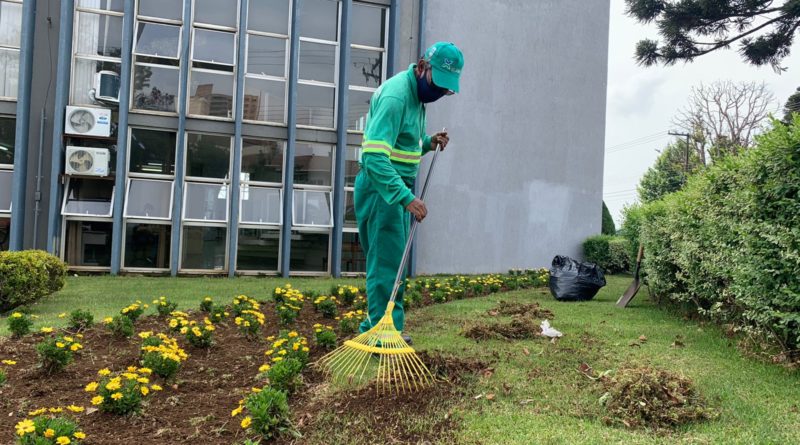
column 27, row 276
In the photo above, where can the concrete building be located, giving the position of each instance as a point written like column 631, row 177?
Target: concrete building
column 222, row 136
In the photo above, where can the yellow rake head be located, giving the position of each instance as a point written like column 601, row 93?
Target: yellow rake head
column 398, row 369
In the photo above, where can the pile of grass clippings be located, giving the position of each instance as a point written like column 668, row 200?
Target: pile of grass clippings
column 521, row 309
column 645, row 397
column 518, row 328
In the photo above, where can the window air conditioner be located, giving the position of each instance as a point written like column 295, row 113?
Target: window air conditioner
column 87, row 121
column 106, row 86
column 87, row 161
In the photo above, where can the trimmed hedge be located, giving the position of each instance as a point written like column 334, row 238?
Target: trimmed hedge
column 728, row 245
column 608, row 252
column 27, row 276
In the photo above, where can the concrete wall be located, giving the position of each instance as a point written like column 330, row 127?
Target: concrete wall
column 522, row 179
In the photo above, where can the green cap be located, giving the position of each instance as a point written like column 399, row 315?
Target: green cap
column 446, row 63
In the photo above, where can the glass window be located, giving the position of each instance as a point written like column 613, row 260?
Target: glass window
column 98, row 35
column 208, row 156
column 313, row 164
column 152, row 151
column 319, row 18
column 207, row 202
column 157, row 40
column 260, row 205
column 149, row 199
column 8, row 133
column 265, row 100
column 204, row 248
column 266, row 56
column 84, row 73
column 88, row 197
column 88, row 243
column 366, row 68
column 155, row 88
column 312, row 208
column 6, row 179
column 211, row 94
column 147, row 245
column 315, row 105
column 10, row 24
column 216, row 12
column 351, row 166
column 213, row 46
column 353, row 258
column 9, row 72
column 258, row 249
column 317, row 62
column 262, row 160
column 358, row 109
column 106, row 5
column 309, row 252
column 350, row 209
column 5, row 233
column 268, row 16
column 163, row 9
column 371, row 29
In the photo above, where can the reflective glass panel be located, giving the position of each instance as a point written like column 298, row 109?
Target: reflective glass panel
column 371, row 25
column 208, row 156
column 204, row 248
column 8, row 132
column 350, row 209
column 317, row 62
column 98, row 34
column 351, row 167
column 163, row 9
column 260, row 205
column 157, row 40
column 258, row 249
column 315, row 105
column 211, row 94
column 6, row 179
column 147, row 245
column 266, row 56
column 312, row 208
column 268, row 16
column 366, row 68
column 213, row 46
column 208, row 202
column 353, row 258
column 358, row 109
column 88, row 243
column 10, row 24
column 262, row 160
column 152, row 151
column 216, row 12
column 106, row 5
column 148, row 199
column 309, row 252
column 155, row 88
column 9, row 72
column 5, row 232
column 319, row 18
column 265, row 100
column 313, row 164
column 84, row 72
column 88, row 197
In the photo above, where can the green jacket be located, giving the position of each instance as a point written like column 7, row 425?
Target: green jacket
column 395, row 139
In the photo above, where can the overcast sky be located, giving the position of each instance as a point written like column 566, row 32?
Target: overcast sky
column 642, row 101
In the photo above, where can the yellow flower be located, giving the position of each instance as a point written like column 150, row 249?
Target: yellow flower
column 24, row 427
column 63, row 440
column 113, row 385
column 46, row 330
column 91, row 387
column 55, row 410
column 132, row 368
column 143, row 380
column 62, row 315
column 156, row 387
column 292, row 334
column 59, row 344
column 104, row 372
column 69, row 339
column 79, row 435
column 16, row 315
column 237, row 411
column 116, row 395
column 96, row 400
column 305, row 349
column 75, row 347
column 49, row 433
column 277, row 359
column 255, row 390
column 9, row 362
column 37, row 412
column 144, row 390
column 75, row 409
column 246, row 422
column 264, row 368
column 145, row 371
column 108, row 320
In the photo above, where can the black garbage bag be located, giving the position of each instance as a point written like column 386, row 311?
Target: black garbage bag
column 571, row 280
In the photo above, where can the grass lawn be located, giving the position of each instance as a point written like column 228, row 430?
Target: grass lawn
column 539, row 395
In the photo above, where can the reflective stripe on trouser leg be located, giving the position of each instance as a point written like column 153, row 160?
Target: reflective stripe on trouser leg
column 382, row 231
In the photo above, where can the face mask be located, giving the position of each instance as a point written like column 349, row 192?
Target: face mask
column 428, row 92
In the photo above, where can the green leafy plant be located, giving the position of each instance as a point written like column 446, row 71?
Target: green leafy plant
column 80, row 319
column 268, row 414
column 200, row 336
column 19, row 324
column 285, row 375
column 326, row 306
column 120, row 325
column 288, row 313
column 165, row 306
column 609, row 252
column 122, row 392
column 217, row 313
column 134, row 310
column 325, row 336
column 48, row 430
column 57, row 352
column 206, row 304
column 26, row 276
column 349, row 322
column 164, row 359
column 250, row 322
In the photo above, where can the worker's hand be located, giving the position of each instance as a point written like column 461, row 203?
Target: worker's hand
column 439, row 138
column 418, row 209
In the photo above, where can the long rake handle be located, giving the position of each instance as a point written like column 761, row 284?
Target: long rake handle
column 399, row 280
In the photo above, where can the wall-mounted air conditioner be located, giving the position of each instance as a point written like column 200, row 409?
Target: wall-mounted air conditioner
column 106, row 86
column 88, row 121
column 87, row 161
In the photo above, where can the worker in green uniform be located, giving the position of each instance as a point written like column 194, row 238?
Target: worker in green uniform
column 394, row 142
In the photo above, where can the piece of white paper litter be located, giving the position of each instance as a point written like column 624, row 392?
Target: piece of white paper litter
column 548, row 331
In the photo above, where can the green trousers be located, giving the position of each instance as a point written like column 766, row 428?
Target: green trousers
column 382, row 232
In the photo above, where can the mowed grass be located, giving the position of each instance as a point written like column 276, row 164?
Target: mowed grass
column 105, row 295
column 541, row 398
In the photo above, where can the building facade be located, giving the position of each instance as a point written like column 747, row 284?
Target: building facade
column 222, row 136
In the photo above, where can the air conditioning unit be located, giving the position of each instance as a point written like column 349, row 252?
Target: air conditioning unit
column 88, row 121
column 106, row 86
column 87, row 161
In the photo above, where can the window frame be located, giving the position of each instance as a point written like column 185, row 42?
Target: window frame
column 384, row 59
column 284, row 79
column 75, row 56
column 125, row 214
column 86, row 215
column 12, row 48
column 125, row 245
column 337, row 62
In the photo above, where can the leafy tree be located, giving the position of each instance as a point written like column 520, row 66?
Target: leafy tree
column 764, row 30
column 792, row 106
column 670, row 171
column 608, row 222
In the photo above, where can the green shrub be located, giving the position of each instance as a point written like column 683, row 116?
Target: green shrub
column 268, row 414
column 19, row 324
column 217, row 313
column 608, row 227
column 325, row 336
column 47, row 430
column 250, row 322
column 285, row 375
column 200, row 336
column 121, row 326
column 27, row 276
column 121, row 393
column 630, row 229
column 349, row 322
column 134, row 310
column 326, row 306
column 608, row 252
column 206, row 305
column 80, row 319
column 165, row 358
column 164, row 306
column 728, row 245
column 57, row 352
